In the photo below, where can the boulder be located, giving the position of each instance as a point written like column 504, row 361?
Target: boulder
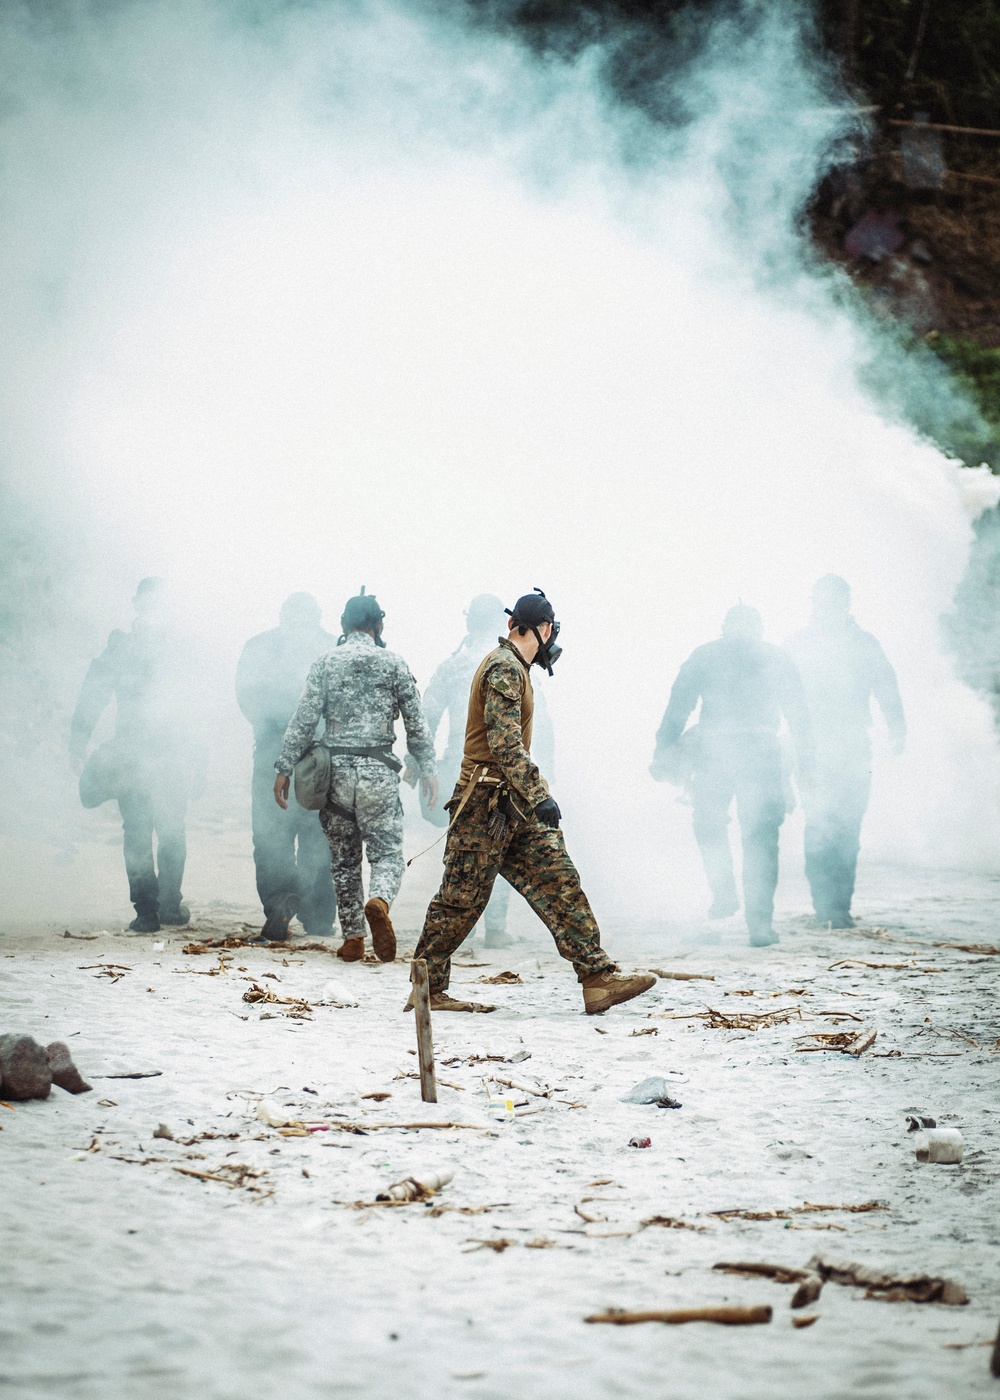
column 64, row 1071
column 25, row 1072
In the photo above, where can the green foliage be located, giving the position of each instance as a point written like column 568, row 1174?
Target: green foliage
column 976, row 368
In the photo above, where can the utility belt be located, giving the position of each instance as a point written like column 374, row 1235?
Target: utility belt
column 504, row 808
column 383, row 752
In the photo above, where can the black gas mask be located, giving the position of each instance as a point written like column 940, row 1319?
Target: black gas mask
column 530, row 612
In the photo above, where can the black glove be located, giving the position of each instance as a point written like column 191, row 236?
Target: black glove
column 548, row 812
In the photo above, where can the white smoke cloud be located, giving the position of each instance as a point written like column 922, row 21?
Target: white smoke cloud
column 352, row 295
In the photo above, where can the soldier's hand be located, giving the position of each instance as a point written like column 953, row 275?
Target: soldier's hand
column 548, row 812
column 281, row 785
column 409, row 776
column 429, row 792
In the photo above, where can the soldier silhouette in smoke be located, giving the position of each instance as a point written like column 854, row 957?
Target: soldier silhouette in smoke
column 745, row 686
column 448, row 694
column 841, row 667
column 155, row 761
column 290, row 851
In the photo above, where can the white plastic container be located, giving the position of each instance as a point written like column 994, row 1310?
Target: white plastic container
column 943, row 1145
column 500, row 1109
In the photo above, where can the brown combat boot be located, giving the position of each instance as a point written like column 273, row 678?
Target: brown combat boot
column 441, row 1001
column 383, row 933
column 606, row 989
column 352, row 949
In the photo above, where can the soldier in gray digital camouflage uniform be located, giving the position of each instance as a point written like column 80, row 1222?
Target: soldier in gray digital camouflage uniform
column 360, row 690
column 448, row 694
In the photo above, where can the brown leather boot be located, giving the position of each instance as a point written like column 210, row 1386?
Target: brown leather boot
column 383, row 933
column 606, row 989
column 441, row 1001
column 352, row 949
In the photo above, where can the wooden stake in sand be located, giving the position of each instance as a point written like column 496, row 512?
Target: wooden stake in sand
column 425, row 1044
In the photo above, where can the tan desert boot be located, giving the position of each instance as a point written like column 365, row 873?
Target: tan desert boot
column 352, row 949
column 383, row 933
column 441, row 1001
column 606, row 989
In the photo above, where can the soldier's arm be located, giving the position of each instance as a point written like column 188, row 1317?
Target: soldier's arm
column 419, row 744
column 505, row 738
column 251, row 683
column 301, row 729
column 95, row 696
column 436, row 700
column 792, row 699
column 684, row 695
column 885, row 688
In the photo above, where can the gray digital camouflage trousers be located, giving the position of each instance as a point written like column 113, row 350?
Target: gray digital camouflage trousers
column 366, row 793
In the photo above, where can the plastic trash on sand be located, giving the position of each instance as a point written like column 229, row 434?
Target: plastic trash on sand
column 415, row 1188
column 943, row 1145
column 656, row 1089
column 500, row 1108
column 270, row 1114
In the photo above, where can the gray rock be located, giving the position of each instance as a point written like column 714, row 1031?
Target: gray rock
column 25, row 1072
column 64, row 1071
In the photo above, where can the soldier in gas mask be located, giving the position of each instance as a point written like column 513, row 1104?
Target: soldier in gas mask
column 360, row 689
column 447, row 694
column 290, row 851
column 156, row 760
column 745, row 686
column 505, row 822
column 842, row 668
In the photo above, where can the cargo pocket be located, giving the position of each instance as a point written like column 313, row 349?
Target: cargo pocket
column 465, row 873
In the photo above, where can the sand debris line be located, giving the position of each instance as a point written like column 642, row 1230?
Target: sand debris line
column 894, row 1288
column 786, row 1213
column 232, row 1174
column 727, row 1316
column 503, row 979
column 671, row 1222
column 750, row 1020
column 211, row 945
column 847, row 1042
column 984, row 950
column 498, row 1245
column 257, row 994
column 895, row 967
column 810, row 1283
column 116, row 971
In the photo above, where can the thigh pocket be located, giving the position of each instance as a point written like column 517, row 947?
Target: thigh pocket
column 465, row 873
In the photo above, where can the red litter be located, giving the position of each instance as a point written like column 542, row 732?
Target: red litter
column 640, row 1142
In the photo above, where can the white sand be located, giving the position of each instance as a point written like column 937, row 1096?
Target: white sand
column 122, row 1279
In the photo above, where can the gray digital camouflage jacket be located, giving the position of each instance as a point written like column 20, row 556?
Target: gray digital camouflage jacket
column 359, row 690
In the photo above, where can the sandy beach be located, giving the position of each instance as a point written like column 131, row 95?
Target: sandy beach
column 124, row 1274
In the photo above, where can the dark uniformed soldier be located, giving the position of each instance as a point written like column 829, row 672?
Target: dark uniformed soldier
column 504, row 822
column 448, row 695
column 270, row 676
column 841, row 667
column 360, row 689
column 745, row 686
column 154, row 762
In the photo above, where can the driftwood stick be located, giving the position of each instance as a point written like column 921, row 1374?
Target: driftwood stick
column 425, row 1043
column 730, row 1317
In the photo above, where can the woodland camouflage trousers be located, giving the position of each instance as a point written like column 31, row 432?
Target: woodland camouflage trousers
column 533, row 859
